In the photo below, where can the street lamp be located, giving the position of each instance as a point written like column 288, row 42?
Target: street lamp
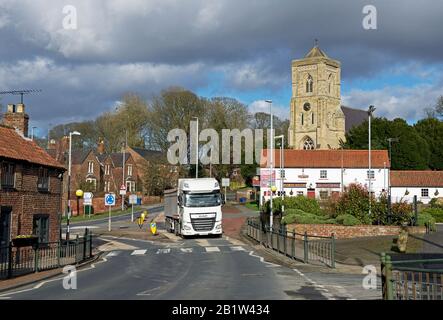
column 282, row 166
column 271, row 163
column 79, row 194
column 370, row 112
column 123, row 168
column 196, row 148
column 73, row 133
column 390, row 140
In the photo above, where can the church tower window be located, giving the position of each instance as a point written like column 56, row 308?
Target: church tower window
column 308, row 144
column 309, row 84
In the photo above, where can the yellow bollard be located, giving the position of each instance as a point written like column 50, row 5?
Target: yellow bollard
column 153, row 228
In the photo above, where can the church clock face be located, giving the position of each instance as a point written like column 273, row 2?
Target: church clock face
column 307, row 106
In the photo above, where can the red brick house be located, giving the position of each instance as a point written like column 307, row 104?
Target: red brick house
column 31, row 184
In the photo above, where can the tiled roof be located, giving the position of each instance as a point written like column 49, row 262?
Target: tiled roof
column 148, row 154
column 117, row 158
column 14, row 146
column 79, row 156
column 328, row 158
column 353, row 117
column 412, row 178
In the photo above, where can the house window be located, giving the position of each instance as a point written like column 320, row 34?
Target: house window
column 40, row 227
column 324, row 194
column 425, row 193
column 129, row 170
column 130, row 186
column 323, row 174
column 107, row 169
column 90, row 167
column 106, row 186
column 8, row 175
column 43, row 179
column 299, row 193
column 370, row 174
column 93, row 182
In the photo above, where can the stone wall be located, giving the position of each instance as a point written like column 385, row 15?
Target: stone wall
column 347, row 232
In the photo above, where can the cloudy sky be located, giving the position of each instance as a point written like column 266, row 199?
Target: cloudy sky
column 236, row 48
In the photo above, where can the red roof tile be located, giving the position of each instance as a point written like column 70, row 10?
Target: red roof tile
column 417, row 178
column 14, row 146
column 328, row 158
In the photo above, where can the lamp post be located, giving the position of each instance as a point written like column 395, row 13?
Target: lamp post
column 74, row 133
column 282, row 166
column 123, row 167
column 196, row 150
column 390, row 140
column 370, row 112
column 271, row 164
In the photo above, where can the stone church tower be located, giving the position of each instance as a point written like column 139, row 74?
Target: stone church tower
column 316, row 118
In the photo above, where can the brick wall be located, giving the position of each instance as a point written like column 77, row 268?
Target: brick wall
column 26, row 201
column 347, row 232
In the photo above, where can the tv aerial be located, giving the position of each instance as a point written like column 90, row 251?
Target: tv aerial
column 21, row 92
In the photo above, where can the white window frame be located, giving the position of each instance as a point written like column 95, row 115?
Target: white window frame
column 372, row 177
column 423, row 191
column 90, row 166
column 129, row 170
column 94, row 181
column 323, row 174
column 107, row 169
column 130, row 186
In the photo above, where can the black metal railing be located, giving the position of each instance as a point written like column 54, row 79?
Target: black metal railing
column 412, row 279
column 297, row 246
column 16, row 261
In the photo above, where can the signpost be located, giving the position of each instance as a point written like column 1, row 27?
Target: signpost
column 110, row 202
column 87, row 201
column 132, row 201
column 225, row 183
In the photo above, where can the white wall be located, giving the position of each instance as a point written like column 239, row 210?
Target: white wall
column 398, row 194
column 379, row 182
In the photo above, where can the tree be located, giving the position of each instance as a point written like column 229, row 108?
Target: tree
column 156, row 178
column 431, row 130
column 411, row 152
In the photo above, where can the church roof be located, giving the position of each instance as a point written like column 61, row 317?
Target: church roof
column 353, row 117
column 316, row 52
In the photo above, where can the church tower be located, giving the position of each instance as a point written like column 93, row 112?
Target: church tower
column 316, row 118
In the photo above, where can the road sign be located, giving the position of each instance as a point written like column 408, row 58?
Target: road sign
column 110, row 199
column 122, row 190
column 133, row 199
column 256, row 181
column 225, row 182
column 87, row 198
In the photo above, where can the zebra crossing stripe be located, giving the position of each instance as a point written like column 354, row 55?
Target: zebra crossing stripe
column 138, row 252
column 212, row 249
column 113, row 253
column 161, row 251
column 237, row 248
column 186, row 250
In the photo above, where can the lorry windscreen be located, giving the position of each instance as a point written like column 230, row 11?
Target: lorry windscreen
column 202, row 200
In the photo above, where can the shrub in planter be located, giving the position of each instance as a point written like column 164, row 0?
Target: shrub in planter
column 347, row 220
column 355, row 202
column 302, row 217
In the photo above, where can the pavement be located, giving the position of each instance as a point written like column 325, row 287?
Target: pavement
column 133, row 264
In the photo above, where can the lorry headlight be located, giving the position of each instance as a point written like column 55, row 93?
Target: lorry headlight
column 185, row 227
column 218, row 226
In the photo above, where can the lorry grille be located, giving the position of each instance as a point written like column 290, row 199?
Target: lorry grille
column 203, row 224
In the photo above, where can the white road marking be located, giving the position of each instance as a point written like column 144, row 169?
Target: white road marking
column 237, row 248
column 212, row 249
column 269, row 264
column 323, row 291
column 113, row 253
column 186, row 250
column 161, row 251
column 138, row 252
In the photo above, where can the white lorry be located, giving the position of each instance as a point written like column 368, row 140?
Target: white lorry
column 194, row 208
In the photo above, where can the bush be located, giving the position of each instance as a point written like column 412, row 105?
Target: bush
column 302, row 217
column 347, row 220
column 436, row 213
column 426, row 218
column 436, row 203
column 355, row 202
column 302, row 203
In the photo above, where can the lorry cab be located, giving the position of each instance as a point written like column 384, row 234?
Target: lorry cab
column 199, row 203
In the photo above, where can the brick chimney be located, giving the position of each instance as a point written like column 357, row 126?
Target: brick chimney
column 101, row 146
column 16, row 117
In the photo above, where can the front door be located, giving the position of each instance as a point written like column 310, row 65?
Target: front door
column 311, row 193
column 5, row 220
